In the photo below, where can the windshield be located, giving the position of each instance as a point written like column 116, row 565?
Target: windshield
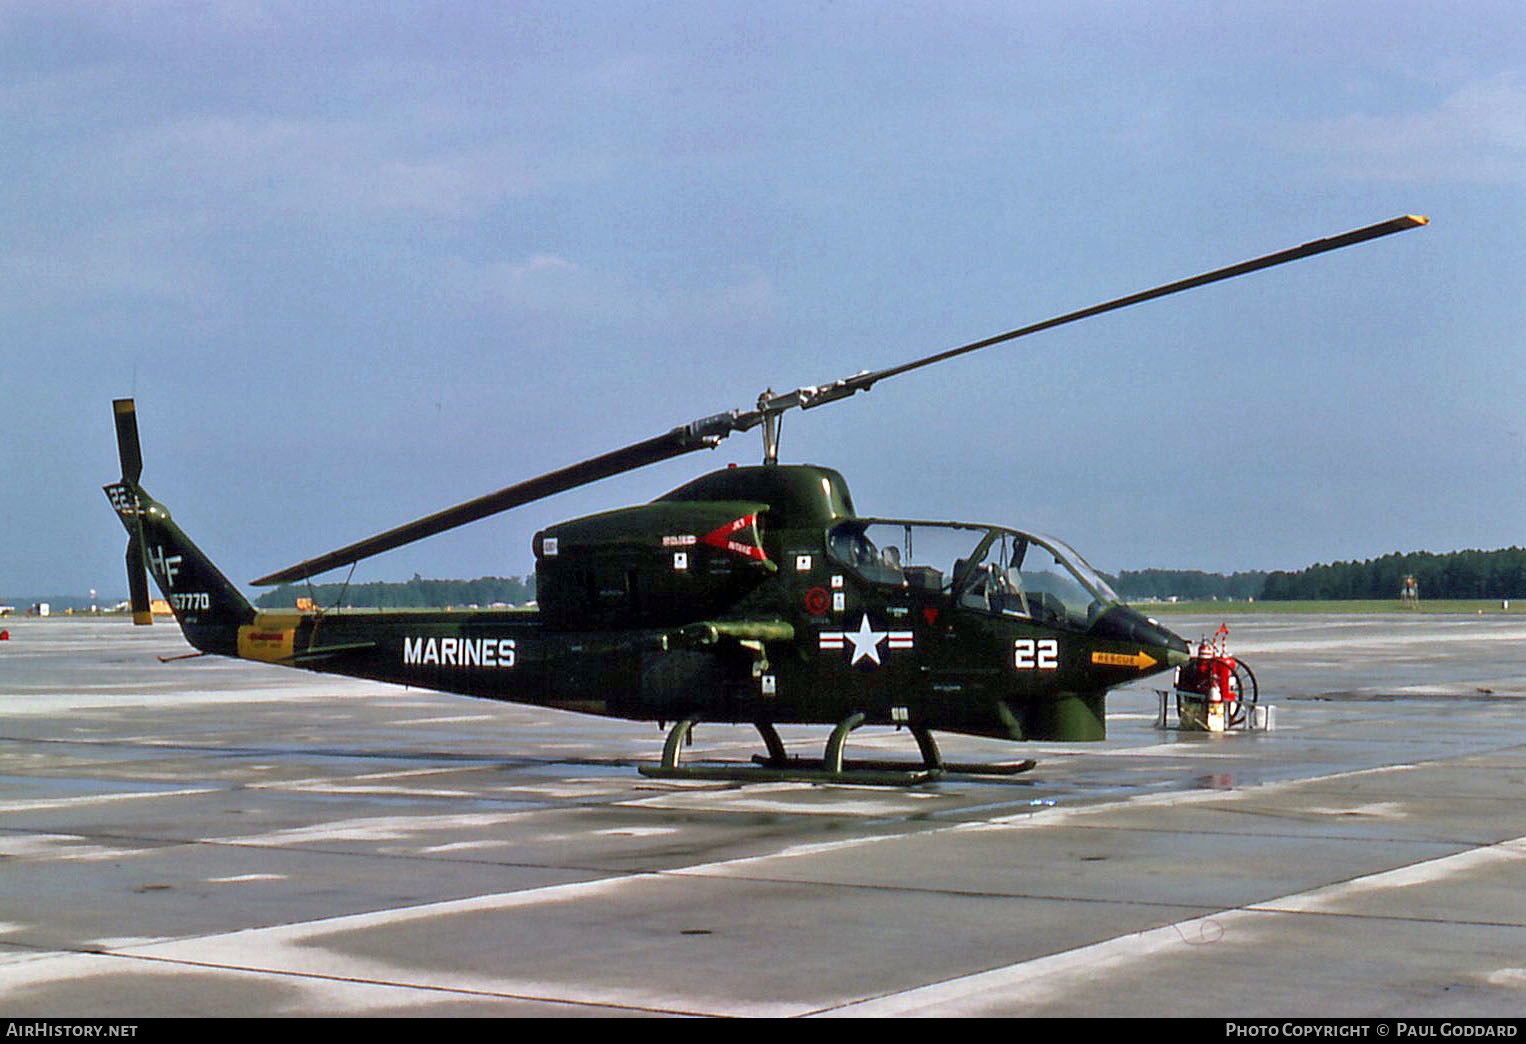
column 984, row 567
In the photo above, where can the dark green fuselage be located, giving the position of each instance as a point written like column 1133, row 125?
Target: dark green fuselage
column 739, row 597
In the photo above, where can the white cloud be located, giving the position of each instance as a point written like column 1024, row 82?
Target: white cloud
column 540, row 263
column 313, row 165
column 1475, row 134
column 549, row 284
column 149, row 256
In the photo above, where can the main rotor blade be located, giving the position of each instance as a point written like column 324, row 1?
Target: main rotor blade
column 806, row 398
column 675, row 443
column 706, row 432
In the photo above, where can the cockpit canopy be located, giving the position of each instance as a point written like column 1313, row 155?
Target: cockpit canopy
column 983, row 567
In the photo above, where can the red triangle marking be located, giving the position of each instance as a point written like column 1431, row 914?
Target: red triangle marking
column 721, row 538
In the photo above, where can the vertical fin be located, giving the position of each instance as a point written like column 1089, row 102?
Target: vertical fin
column 209, row 609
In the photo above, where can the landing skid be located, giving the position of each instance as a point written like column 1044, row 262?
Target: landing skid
column 779, row 766
column 949, row 768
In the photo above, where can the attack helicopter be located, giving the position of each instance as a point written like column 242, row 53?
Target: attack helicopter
column 750, row 595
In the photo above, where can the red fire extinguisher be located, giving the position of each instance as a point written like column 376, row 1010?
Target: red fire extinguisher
column 1219, row 678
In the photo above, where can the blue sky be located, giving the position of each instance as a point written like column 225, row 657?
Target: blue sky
column 360, row 262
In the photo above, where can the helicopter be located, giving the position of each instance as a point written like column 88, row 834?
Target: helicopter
column 749, row 595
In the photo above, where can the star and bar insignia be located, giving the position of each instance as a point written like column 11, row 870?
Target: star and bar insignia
column 866, row 641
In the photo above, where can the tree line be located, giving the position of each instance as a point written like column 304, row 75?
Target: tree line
column 1457, row 574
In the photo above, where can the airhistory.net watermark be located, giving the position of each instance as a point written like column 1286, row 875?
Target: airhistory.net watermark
column 48, row 1029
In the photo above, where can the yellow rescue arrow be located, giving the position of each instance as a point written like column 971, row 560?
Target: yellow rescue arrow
column 1140, row 661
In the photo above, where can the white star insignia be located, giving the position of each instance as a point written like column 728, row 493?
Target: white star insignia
column 866, row 642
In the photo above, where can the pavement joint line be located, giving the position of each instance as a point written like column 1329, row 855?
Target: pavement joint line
column 364, row 777
column 1067, row 971
column 43, row 804
column 466, row 991
column 1177, row 797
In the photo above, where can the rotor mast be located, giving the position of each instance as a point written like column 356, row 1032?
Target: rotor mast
column 773, row 428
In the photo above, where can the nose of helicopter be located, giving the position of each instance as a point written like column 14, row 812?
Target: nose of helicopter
column 1164, row 645
column 1176, row 648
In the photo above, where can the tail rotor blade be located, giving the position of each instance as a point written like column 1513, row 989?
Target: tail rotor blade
column 131, row 453
column 127, row 439
column 137, row 581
